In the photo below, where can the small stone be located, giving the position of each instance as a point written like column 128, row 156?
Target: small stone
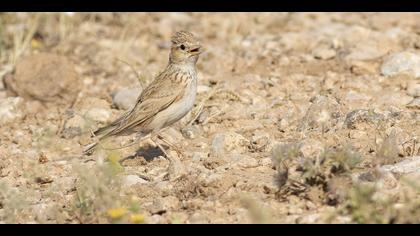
column 362, row 67
column 10, row 109
column 414, row 104
column 361, row 116
column 260, row 141
column 126, row 98
column 402, row 63
column 413, row 89
column 162, row 205
column 323, row 113
column 99, row 114
column 203, row 89
column 229, row 142
column 95, row 109
column 190, row 132
column 74, row 127
column 323, row 53
column 131, row 180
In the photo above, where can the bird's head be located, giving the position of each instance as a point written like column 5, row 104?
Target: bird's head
column 185, row 48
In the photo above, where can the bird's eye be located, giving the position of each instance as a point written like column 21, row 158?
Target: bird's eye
column 182, row 47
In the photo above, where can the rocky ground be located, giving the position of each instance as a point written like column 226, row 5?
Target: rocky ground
column 300, row 118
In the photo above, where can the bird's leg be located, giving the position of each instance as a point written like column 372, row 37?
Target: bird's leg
column 176, row 149
column 176, row 168
column 155, row 141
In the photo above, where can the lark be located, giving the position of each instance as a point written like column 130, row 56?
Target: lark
column 167, row 99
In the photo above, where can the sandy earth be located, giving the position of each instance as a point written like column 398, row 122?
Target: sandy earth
column 300, row 118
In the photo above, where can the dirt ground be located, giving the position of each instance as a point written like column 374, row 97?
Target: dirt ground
column 300, row 118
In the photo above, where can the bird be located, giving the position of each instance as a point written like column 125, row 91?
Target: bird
column 167, row 99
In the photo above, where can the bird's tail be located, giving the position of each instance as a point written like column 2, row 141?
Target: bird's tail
column 90, row 148
column 104, row 132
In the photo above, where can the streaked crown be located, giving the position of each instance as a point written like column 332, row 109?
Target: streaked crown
column 184, row 37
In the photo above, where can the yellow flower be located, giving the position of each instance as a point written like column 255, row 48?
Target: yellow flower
column 114, row 157
column 136, row 218
column 35, row 43
column 116, row 213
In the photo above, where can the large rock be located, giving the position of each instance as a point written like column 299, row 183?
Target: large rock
column 45, row 77
column 402, row 63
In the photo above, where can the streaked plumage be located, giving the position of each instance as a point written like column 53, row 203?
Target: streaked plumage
column 168, row 98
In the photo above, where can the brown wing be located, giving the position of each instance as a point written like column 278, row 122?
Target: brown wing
column 159, row 95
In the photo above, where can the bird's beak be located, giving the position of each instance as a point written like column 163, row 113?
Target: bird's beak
column 197, row 50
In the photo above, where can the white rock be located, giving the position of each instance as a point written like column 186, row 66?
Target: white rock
column 131, row 180
column 203, row 89
column 409, row 165
column 74, row 126
column 10, row 109
column 402, row 62
column 99, row 114
column 190, row 132
column 323, row 53
column 126, row 98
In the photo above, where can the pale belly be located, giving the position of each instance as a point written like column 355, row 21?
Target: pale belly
column 177, row 110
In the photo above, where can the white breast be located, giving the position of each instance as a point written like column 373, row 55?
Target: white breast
column 184, row 105
column 177, row 110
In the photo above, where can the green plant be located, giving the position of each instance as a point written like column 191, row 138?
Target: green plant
column 99, row 196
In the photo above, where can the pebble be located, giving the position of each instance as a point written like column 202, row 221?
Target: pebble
column 323, row 53
column 323, row 112
column 229, row 142
column 361, row 115
column 10, row 109
column 131, row 180
column 126, row 98
column 413, row 89
column 191, row 132
column 402, row 62
column 414, row 104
